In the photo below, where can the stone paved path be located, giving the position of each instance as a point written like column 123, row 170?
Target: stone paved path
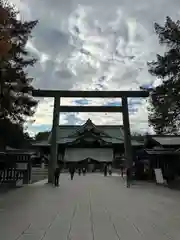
column 90, row 208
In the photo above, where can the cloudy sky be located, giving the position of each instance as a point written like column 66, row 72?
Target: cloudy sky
column 94, row 45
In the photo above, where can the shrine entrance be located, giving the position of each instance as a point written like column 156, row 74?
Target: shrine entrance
column 98, row 154
column 57, row 95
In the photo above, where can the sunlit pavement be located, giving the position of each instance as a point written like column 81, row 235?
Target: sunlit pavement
column 91, row 207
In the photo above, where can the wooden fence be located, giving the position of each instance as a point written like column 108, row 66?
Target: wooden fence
column 15, row 168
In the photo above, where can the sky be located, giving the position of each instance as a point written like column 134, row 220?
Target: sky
column 94, row 45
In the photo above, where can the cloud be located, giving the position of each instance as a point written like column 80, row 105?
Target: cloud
column 95, row 45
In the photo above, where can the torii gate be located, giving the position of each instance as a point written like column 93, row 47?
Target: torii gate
column 57, row 94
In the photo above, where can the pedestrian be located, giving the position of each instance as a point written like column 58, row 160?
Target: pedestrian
column 110, row 169
column 128, row 177
column 105, row 170
column 72, row 171
column 122, row 171
column 84, row 171
column 56, row 176
column 79, row 171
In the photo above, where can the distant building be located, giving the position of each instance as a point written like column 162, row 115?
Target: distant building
column 88, row 143
column 167, row 141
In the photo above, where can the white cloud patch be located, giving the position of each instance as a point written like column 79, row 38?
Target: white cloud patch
column 95, row 45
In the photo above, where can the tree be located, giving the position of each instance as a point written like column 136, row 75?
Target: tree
column 5, row 44
column 15, row 137
column 164, row 108
column 16, row 101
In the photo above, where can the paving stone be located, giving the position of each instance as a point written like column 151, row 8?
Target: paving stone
column 82, row 226
column 61, row 225
column 91, row 207
column 31, row 236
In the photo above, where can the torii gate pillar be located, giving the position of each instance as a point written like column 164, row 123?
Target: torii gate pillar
column 54, row 146
column 127, row 133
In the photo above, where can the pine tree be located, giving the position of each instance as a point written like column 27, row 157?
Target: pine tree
column 17, row 138
column 16, row 101
column 165, row 99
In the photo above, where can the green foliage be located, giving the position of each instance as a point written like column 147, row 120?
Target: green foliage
column 16, row 101
column 13, row 135
column 165, row 99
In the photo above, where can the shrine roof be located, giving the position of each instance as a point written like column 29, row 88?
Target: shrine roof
column 167, row 139
column 72, row 131
column 162, row 151
column 109, row 133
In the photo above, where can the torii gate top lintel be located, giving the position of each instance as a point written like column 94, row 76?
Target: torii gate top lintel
column 90, row 94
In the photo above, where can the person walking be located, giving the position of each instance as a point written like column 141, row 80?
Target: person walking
column 84, row 171
column 110, row 170
column 105, row 170
column 56, row 176
column 122, row 171
column 128, row 177
column 79, row 171
column 72, row 171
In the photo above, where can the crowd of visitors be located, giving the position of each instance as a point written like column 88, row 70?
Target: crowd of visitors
column 81, row 170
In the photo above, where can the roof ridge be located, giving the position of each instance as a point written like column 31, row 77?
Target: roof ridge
column 166, row 135
column 94, row 124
